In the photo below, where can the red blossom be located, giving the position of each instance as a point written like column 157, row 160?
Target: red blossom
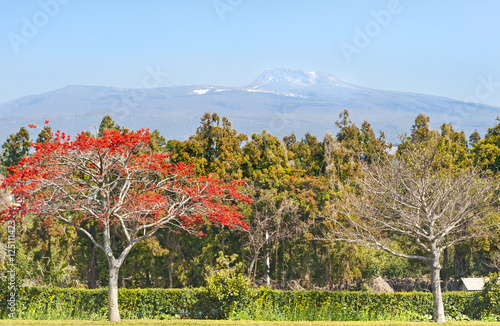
column 74, row 176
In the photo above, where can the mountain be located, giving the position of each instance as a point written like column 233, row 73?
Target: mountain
column 278, row 100
column 284, row 78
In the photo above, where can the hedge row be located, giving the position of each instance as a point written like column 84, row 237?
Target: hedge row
column 59, row 303
column 56, row 303
column 325, row 305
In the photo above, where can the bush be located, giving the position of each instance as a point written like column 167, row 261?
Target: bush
column 228, row 296
column 59, row 303
column 491, row 296
column 227, row 288
column 342, row 306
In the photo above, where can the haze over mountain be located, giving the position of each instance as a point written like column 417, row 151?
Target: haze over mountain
column 279, row 100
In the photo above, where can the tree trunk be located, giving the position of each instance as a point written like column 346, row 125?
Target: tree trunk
column 93, row 261
column 445, row 272
column 155, row 276
column 93, row 268
column 251, row 269
column 49, row 251
column 171, row 270
column 114, row 313
column 437, row 297
column 268, row 263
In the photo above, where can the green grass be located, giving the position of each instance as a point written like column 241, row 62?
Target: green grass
column 239, row 323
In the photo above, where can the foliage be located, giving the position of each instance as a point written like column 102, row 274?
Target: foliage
column 491, row 294
column 322, row 305
column 262, row 304
column 307, row 154
column 215, row 148
column 54, row 303
column 199, row 322
column 108, row 124
column 362, row 143
column 486, row 152
column 292, row 182
column 16, row 147
column 113, row 182
column 149, row 186
column 422, row 196
column 228, row 287
column 266, row 159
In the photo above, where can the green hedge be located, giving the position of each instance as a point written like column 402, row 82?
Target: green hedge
column 58, row 303
column 55, row 303
column 325, row 305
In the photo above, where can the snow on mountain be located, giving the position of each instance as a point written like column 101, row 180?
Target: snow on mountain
column 279, row 100
column 272, row 78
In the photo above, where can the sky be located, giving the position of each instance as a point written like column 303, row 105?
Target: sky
column 447, row 48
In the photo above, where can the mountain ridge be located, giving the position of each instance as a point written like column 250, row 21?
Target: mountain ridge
column 278, row 100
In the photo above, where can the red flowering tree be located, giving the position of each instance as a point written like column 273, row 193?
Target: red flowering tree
column 118, row 184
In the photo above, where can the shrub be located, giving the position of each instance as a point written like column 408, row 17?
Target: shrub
column 58, row 303
column 324, row 305
column 226, row 287
column 491, row 295
column 227, row 295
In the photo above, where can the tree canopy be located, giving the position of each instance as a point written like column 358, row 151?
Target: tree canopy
column 293, row 183
column 420, row 196
column 112, row 182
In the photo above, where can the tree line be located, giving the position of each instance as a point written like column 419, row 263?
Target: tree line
column 297, row 186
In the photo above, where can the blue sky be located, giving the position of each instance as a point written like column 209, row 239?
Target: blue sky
column 448, row 48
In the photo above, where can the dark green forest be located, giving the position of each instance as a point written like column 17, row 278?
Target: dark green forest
column 294, row 183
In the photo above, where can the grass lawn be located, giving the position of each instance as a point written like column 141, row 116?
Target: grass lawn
column 236, row 323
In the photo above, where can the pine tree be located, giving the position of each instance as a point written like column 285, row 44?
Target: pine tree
column 16, row 147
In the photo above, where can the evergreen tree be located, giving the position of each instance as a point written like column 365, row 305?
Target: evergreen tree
column 421, row 131
column 215, row 148
column 486, row 152
column 109, row 124
column 45, row 135
column 373, row 148
column 474, row 138
column 306, row 155
column 349, row 134
column 265, row 159
column 158, row 142
column 16, row 147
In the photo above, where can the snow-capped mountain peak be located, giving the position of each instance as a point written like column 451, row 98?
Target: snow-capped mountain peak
column 279, row 100
column 280, row 77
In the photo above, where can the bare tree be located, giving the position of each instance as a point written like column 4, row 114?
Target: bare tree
column 272, row 219
column 494, row 262
column 422, row 196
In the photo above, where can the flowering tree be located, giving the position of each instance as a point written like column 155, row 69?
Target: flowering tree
column 117, row 184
